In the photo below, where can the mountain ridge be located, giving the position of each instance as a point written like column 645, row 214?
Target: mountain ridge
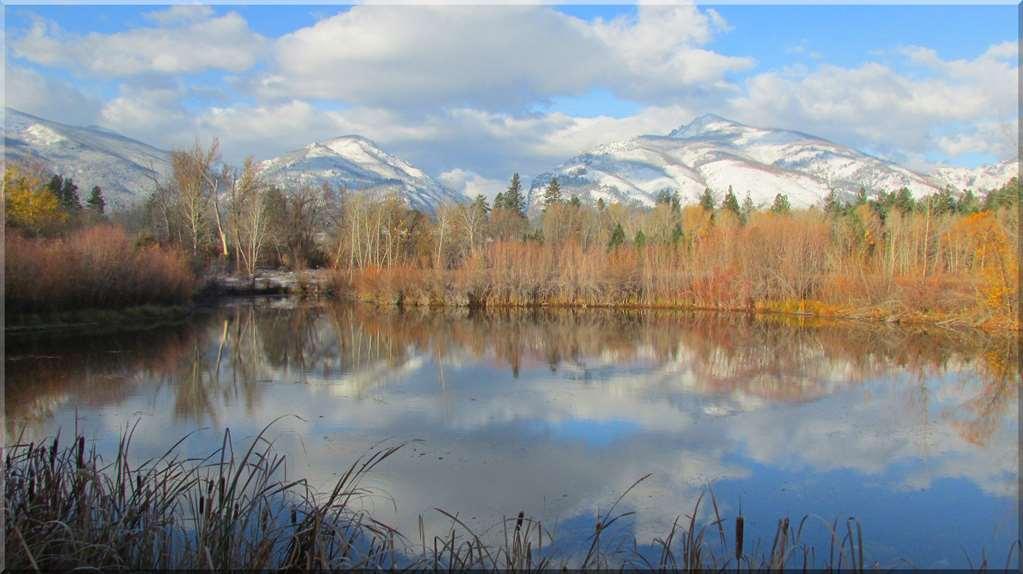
column 717, row 153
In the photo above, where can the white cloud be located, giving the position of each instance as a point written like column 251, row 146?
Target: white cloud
column 875, row 106
column 471, row 184
column 33, row 93
column 496, row 57
column 183, row 40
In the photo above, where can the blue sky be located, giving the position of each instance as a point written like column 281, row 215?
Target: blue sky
column 476, row 93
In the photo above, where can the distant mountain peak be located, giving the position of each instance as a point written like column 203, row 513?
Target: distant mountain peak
column 358, row 164
column 703, row 124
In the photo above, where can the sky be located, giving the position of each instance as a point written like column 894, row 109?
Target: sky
column 472, row 94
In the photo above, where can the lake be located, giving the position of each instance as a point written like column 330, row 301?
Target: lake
column 913, row 432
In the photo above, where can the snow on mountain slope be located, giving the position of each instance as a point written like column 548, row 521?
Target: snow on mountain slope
column 122, row 167
column 980, row 179
column 358, row 164
column 717, row 153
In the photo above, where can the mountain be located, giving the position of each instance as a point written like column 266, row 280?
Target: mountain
column 358, row 164
column 717, row 153
column 123, row 168
column 983, row 178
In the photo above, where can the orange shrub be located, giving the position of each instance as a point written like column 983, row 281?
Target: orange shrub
column 96, row 267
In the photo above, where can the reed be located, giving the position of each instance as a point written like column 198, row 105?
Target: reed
column 237, row 509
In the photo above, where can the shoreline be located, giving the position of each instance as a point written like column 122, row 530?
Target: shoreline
column 322, row 284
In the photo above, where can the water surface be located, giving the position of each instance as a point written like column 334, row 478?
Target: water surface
column 913, row 433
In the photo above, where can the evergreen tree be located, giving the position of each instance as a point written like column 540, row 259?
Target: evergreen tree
column 832, row 204
column 707, row 200
column 513, row 198
column 640, row 239
column 968, row 203
column 676, row 234
column 670, row 198
column 56, row 186
column 781, row 204
column 499, row 200
column 617, row 237
column 575, row 201
column 747, row 207
column 861, row 196
column 552, row 194
column 904, row 201
column 69, row 196
column 96, row 201
column 600, row 204
column 480, row 204
column 731, row 203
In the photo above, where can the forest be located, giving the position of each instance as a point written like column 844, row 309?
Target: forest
column 950, row 258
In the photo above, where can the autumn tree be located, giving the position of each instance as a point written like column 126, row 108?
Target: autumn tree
column 30, row 205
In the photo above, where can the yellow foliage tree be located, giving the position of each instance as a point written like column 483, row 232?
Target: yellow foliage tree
column 993, row 256
column 29, row 204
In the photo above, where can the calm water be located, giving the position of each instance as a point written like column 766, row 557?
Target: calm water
column 913, row 433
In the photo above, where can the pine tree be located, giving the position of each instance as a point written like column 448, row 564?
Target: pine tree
column 56, row 186
column 861, row 196
column 968, row 203
column 617, row 237
column 832, row 204
column 96, row 201
column 747, row 208
column 69, row 196
column 707, row 200
column 676, row 234
column 640, row 239
column 513, row 198
column 575, row 201
column 480, row 204
column 904, row 201
column 499, row 200
column 670, row 198
column 731, row 203
column 781, row 204
column 600, row 204
column 552, row 194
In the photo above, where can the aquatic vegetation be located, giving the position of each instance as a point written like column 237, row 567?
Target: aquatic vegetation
column 238, row 508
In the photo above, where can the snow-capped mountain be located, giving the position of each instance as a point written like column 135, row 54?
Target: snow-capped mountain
column 359, row 165
column 123, row 168
column 983, row 178
column 713, row 152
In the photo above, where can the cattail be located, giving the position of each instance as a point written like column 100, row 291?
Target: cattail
column 518, row 521
column 221, row 491
column 738, row 536
column 138, row 483
column 294, row 517
column 53, row 452
column 202, row 504
column 81, row 451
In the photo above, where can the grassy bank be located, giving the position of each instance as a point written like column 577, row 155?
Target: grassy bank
column 235, row 508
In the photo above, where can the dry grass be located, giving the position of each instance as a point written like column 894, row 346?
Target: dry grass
column 95, row 267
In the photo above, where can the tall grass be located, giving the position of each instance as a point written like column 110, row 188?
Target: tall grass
column 237, row 509
column 95, row 267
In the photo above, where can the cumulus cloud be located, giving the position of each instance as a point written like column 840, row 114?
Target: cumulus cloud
column 33, row 93
column 898, row 114
column 183, row 40
column 471, row 184
column 496, row 57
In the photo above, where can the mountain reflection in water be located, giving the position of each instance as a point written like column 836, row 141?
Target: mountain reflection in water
column 557, row 412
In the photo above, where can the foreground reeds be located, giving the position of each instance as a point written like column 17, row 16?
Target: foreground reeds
column 237, row 509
